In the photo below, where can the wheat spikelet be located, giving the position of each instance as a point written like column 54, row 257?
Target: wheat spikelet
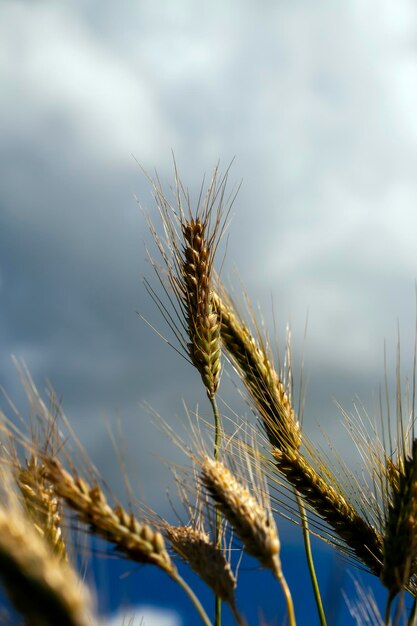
column 188, row 253
column 256, row 368
column 139, row 542
column 41, row 586
column 253, row 524
column 400, row 538
column 41, row 504
column 358, row 534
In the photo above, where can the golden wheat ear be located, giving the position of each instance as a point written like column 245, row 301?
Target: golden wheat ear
column 400, row 538
column 250, row 521
column 330, row 501
column 44, row 588
column 191, row 240
column 253, row 360
column 388, row 447
column 26, row 445
column 41, row 503
column 139, row 542
column 207, row 560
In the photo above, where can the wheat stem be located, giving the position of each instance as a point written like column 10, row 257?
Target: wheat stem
column 217, row 439
column 277, row 571
column 310, row 561
column 193, row 598
column 238, row 618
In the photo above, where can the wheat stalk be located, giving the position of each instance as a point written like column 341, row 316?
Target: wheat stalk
column 191, row 243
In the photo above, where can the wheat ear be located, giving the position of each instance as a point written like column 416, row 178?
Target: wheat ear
column 256, row 368
column 136, row 541
column 203, row 324
column 360, row 536
column 191, row 241
column 41, row 504
column 41, row 586
column 207, row 561
column 253, row 524
column 400, row 538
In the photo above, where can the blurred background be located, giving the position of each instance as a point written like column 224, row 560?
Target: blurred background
column 317, row 104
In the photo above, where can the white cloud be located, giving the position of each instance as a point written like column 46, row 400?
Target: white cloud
column 62, row 80
column 144, row 615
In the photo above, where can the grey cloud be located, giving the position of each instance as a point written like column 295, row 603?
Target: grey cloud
column 317, row 107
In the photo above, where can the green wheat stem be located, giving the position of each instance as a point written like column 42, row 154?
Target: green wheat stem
column 286, row 591
column 204, row 617
column 217, row 439
column 310, row 561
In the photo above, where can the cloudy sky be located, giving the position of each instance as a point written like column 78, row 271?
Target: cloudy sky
column 316, row 102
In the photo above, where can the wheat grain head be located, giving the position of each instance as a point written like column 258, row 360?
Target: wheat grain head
column 43, row 587
column 139, row 542
column 254, row 363
column 191, row 241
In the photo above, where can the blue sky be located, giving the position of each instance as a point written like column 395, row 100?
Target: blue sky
column 316, row 102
